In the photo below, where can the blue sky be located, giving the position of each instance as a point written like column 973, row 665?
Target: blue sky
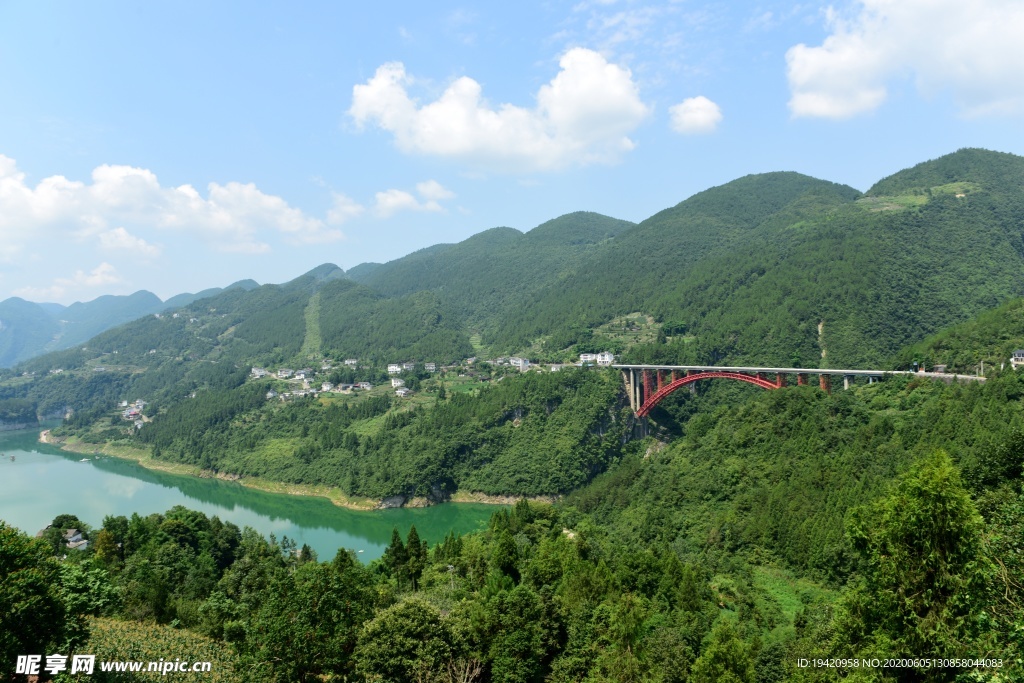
column 178, row 146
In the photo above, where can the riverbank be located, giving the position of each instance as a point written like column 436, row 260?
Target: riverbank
column 145, row 459
column 335, row 495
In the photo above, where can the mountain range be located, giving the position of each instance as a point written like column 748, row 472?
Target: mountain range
column 30, row 329
column 776, row 268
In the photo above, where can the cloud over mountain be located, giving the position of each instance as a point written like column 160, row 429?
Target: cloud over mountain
column 582, row 116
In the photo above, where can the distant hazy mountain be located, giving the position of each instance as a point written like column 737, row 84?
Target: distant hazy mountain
column 29, row 329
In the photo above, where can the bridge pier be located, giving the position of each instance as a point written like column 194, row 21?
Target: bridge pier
column 780, row 380
column 801, row 379
column 846, row 382
column 825, row 382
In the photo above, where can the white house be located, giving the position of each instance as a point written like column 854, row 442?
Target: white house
column 285, row 373
column 258, row 372
column 402, row 392
column 365, row 385
column 326, row 386
column 1017, row 359
column 605, row 358
column 588, row 357
column 520, row 363
column 396, row 382
column 408, row 366
column 351, row 362
column 430, row 367
column 394, row 368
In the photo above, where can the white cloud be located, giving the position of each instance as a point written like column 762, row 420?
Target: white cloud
column 695, row 115
column 390, row 202
column 102, row 275
column 972, row 48
column 344, row 208
column 119, row 238
column 232, row 216
column 582, row 116
column 431, row 189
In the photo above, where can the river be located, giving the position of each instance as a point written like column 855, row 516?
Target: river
column 42, row 481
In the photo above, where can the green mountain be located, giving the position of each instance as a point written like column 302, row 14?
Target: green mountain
column 773, row 268
column 991, row 337
column 819, row 276
column 496, row 271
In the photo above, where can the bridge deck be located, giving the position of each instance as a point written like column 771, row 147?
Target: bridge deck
column 803, row 371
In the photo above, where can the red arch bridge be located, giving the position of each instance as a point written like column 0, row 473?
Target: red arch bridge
column 648, row 385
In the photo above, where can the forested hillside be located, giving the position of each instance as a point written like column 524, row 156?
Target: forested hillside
column 817, row 276
column 868, row 524
column 499, row 270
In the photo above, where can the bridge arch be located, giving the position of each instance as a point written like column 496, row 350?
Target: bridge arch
column 656, row 397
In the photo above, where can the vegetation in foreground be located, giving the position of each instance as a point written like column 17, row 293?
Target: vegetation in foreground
column 882, row 522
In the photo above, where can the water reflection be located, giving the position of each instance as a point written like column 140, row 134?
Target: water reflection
column 43, row 481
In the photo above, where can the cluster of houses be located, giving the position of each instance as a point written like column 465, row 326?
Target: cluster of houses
column 396, row 368
column 133, row 412
column 605, row 358
column 73, row 538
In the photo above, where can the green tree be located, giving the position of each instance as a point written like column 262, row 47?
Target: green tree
column 725, row 659
column 32, row 614
column 404, row 644
column 924, row 567
column 417, row 552
column 307, row 625
column 396, row 557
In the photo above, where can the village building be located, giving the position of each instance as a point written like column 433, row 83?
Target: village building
column 402, row 392
column 520, row 363
column 75, row 539
column 351, row 362
column 1017, row 359
column 394, row 368
column 430, row 367
column 605, row 358
column 285, row 373
column 396, row 382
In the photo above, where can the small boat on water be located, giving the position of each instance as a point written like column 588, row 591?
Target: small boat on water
column 84, row 460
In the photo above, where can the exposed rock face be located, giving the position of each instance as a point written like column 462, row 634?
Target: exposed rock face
column 391, row 502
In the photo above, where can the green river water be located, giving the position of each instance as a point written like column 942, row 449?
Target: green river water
column 38, row 482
